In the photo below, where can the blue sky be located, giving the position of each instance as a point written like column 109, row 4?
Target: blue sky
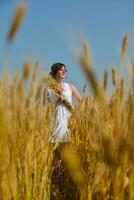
column 53, row 31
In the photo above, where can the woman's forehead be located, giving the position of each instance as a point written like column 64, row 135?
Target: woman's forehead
column 63, row 67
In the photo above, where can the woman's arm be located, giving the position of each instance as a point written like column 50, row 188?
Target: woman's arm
column 75, row 93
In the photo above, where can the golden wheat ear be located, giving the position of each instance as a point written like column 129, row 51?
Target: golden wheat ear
column 114, row 76
column 124, row 48
column 17, row 21
column 85, row 62
column 105, row 81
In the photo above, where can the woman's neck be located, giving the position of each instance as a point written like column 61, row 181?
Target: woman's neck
column 60, row 81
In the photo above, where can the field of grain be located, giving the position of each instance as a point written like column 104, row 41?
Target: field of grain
column 100, row 157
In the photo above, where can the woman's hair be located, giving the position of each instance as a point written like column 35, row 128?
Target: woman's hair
column 55, row 68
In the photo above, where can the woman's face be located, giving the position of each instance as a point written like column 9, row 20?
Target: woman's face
column 61, row 74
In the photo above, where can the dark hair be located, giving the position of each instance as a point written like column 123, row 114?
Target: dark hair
column 55, row 68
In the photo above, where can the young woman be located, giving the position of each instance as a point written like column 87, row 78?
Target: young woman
column 60, row 179
column 59, row 72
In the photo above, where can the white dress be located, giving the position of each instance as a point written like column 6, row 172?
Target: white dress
column 61, row 115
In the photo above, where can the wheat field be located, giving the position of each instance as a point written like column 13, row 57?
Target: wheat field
column 100, row 156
